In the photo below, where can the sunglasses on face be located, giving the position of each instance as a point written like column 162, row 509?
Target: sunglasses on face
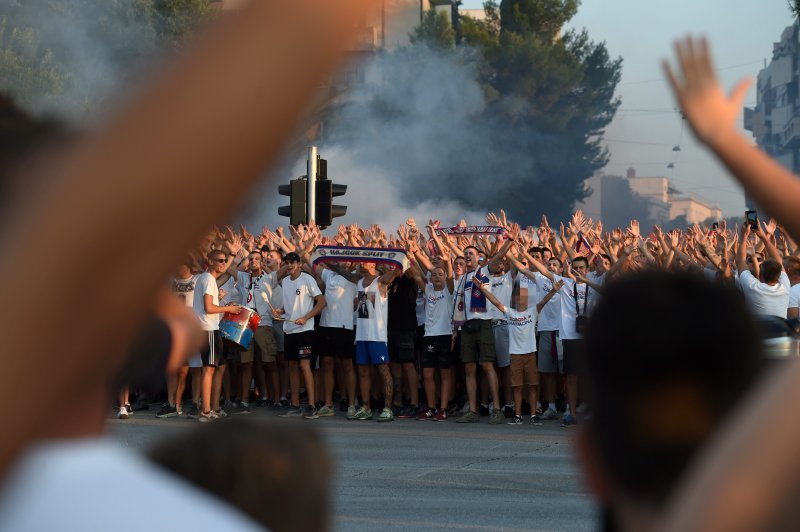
column 220, row 261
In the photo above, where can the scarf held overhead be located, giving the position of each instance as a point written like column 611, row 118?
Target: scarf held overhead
column 392, row 256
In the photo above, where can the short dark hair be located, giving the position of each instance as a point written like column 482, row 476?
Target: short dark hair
column 581, row 258
column 771, row 270
column 534, row 249
column 557, row 260
column 668, row 354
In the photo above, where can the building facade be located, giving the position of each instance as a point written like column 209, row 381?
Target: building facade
column 775, row 120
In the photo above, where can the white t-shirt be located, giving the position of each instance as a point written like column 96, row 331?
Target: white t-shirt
column 550, row 317
column 763, row 299
column 521, row 331
column 79, row 484
column 502, row 289
column 373, row 312
column 465, row 283
column 794, row 296
column 568, row 310
column 184, row 289
column 256, row 293
column 206, row 285
column 438, row 311
column 339, row 294
column 298, row 300
column 232, row 294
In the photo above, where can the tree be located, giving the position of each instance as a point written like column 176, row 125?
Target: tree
column 63, row 55
column 435, row 31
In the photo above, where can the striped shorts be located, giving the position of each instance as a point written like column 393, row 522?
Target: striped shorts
column 212, row 353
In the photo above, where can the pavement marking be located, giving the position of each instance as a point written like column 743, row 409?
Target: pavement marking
column 430, row 524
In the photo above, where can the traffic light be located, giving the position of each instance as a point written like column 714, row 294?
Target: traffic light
column 296, row 210
column 325, row 210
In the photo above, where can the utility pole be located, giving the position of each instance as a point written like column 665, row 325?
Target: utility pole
column 311, row 193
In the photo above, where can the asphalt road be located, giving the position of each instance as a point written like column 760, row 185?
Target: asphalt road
column 426, row 475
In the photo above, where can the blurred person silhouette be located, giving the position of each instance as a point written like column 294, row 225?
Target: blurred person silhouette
column 749, row 477
column 668, row 356
column 277, row 475
column 155, row 161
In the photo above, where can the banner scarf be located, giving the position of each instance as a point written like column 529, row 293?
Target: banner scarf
column 477, row 302
column 394, row 257
column 458, row 230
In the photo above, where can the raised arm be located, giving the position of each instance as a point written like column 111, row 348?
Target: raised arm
column 712, row 115
column 488, row 293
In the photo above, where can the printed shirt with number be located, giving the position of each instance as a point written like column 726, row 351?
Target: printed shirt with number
column 298, row 300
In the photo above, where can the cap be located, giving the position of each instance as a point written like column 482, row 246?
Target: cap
column 291, row 257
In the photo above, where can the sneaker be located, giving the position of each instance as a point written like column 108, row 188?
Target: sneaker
column 426, row 414
column 469, row 417
column 516, row 420
column 123, row 413
column 508, row 411
column 311, row 413
column 465, row 408
column 483, row 410
column 294, row 411
column 261, row 402
column 363, row 414
column 129, row 408
column 326, row 411
column 167, row 411
column 496, row 418
column 351, row 412
column 241, row 408
column 284, row 403
column 408, row 412
column 194, row 412
column 396, row 409
column 549, row 414
column 441, row 415
column 535, row 420
column 208, row 417
column 221, row 413
column 386, row 415
column 569, row 421
column 228, row 405
column 582, row 408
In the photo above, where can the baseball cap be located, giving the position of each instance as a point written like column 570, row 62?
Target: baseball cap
column 291, row 257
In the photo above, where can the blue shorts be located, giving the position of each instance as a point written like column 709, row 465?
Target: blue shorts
column 375, row 353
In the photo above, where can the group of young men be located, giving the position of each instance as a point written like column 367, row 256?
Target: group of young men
column 408, row 339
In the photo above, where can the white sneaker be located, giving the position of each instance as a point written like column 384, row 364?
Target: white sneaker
column 351, row 412
column 549, row 414
column 386, row 415
column 123, row 413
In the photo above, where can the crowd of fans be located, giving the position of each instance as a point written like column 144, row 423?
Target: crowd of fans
column 405, row 339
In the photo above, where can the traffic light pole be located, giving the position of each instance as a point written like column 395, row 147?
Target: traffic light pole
column 311, row 194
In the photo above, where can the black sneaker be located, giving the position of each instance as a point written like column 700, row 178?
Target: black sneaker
column 129, row 408
column 241, row 408
column 483, row 410
column 536, row 420
column 284, row 403
column 261, row 402
column 167, row 411
column 408, row 412
column 516, row 420
column 508, row 411
column 194, row 412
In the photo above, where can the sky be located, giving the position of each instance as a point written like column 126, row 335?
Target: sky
column 647, row 125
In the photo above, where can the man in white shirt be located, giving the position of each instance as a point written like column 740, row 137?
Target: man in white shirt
column 336, row 334
column 255, row 289
column 302, row 300
column 766, row 292
column 208, row 310
column 792, row 267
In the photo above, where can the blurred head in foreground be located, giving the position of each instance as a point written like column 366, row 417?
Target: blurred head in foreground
column 277, row 474
column 668, row 355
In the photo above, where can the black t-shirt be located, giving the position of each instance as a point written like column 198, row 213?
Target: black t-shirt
column 403, row 304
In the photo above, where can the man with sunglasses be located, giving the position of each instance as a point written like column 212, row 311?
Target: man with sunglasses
column 208, row 310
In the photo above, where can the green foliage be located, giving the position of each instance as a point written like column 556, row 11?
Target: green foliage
column 62, row 54
column 435, row 31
